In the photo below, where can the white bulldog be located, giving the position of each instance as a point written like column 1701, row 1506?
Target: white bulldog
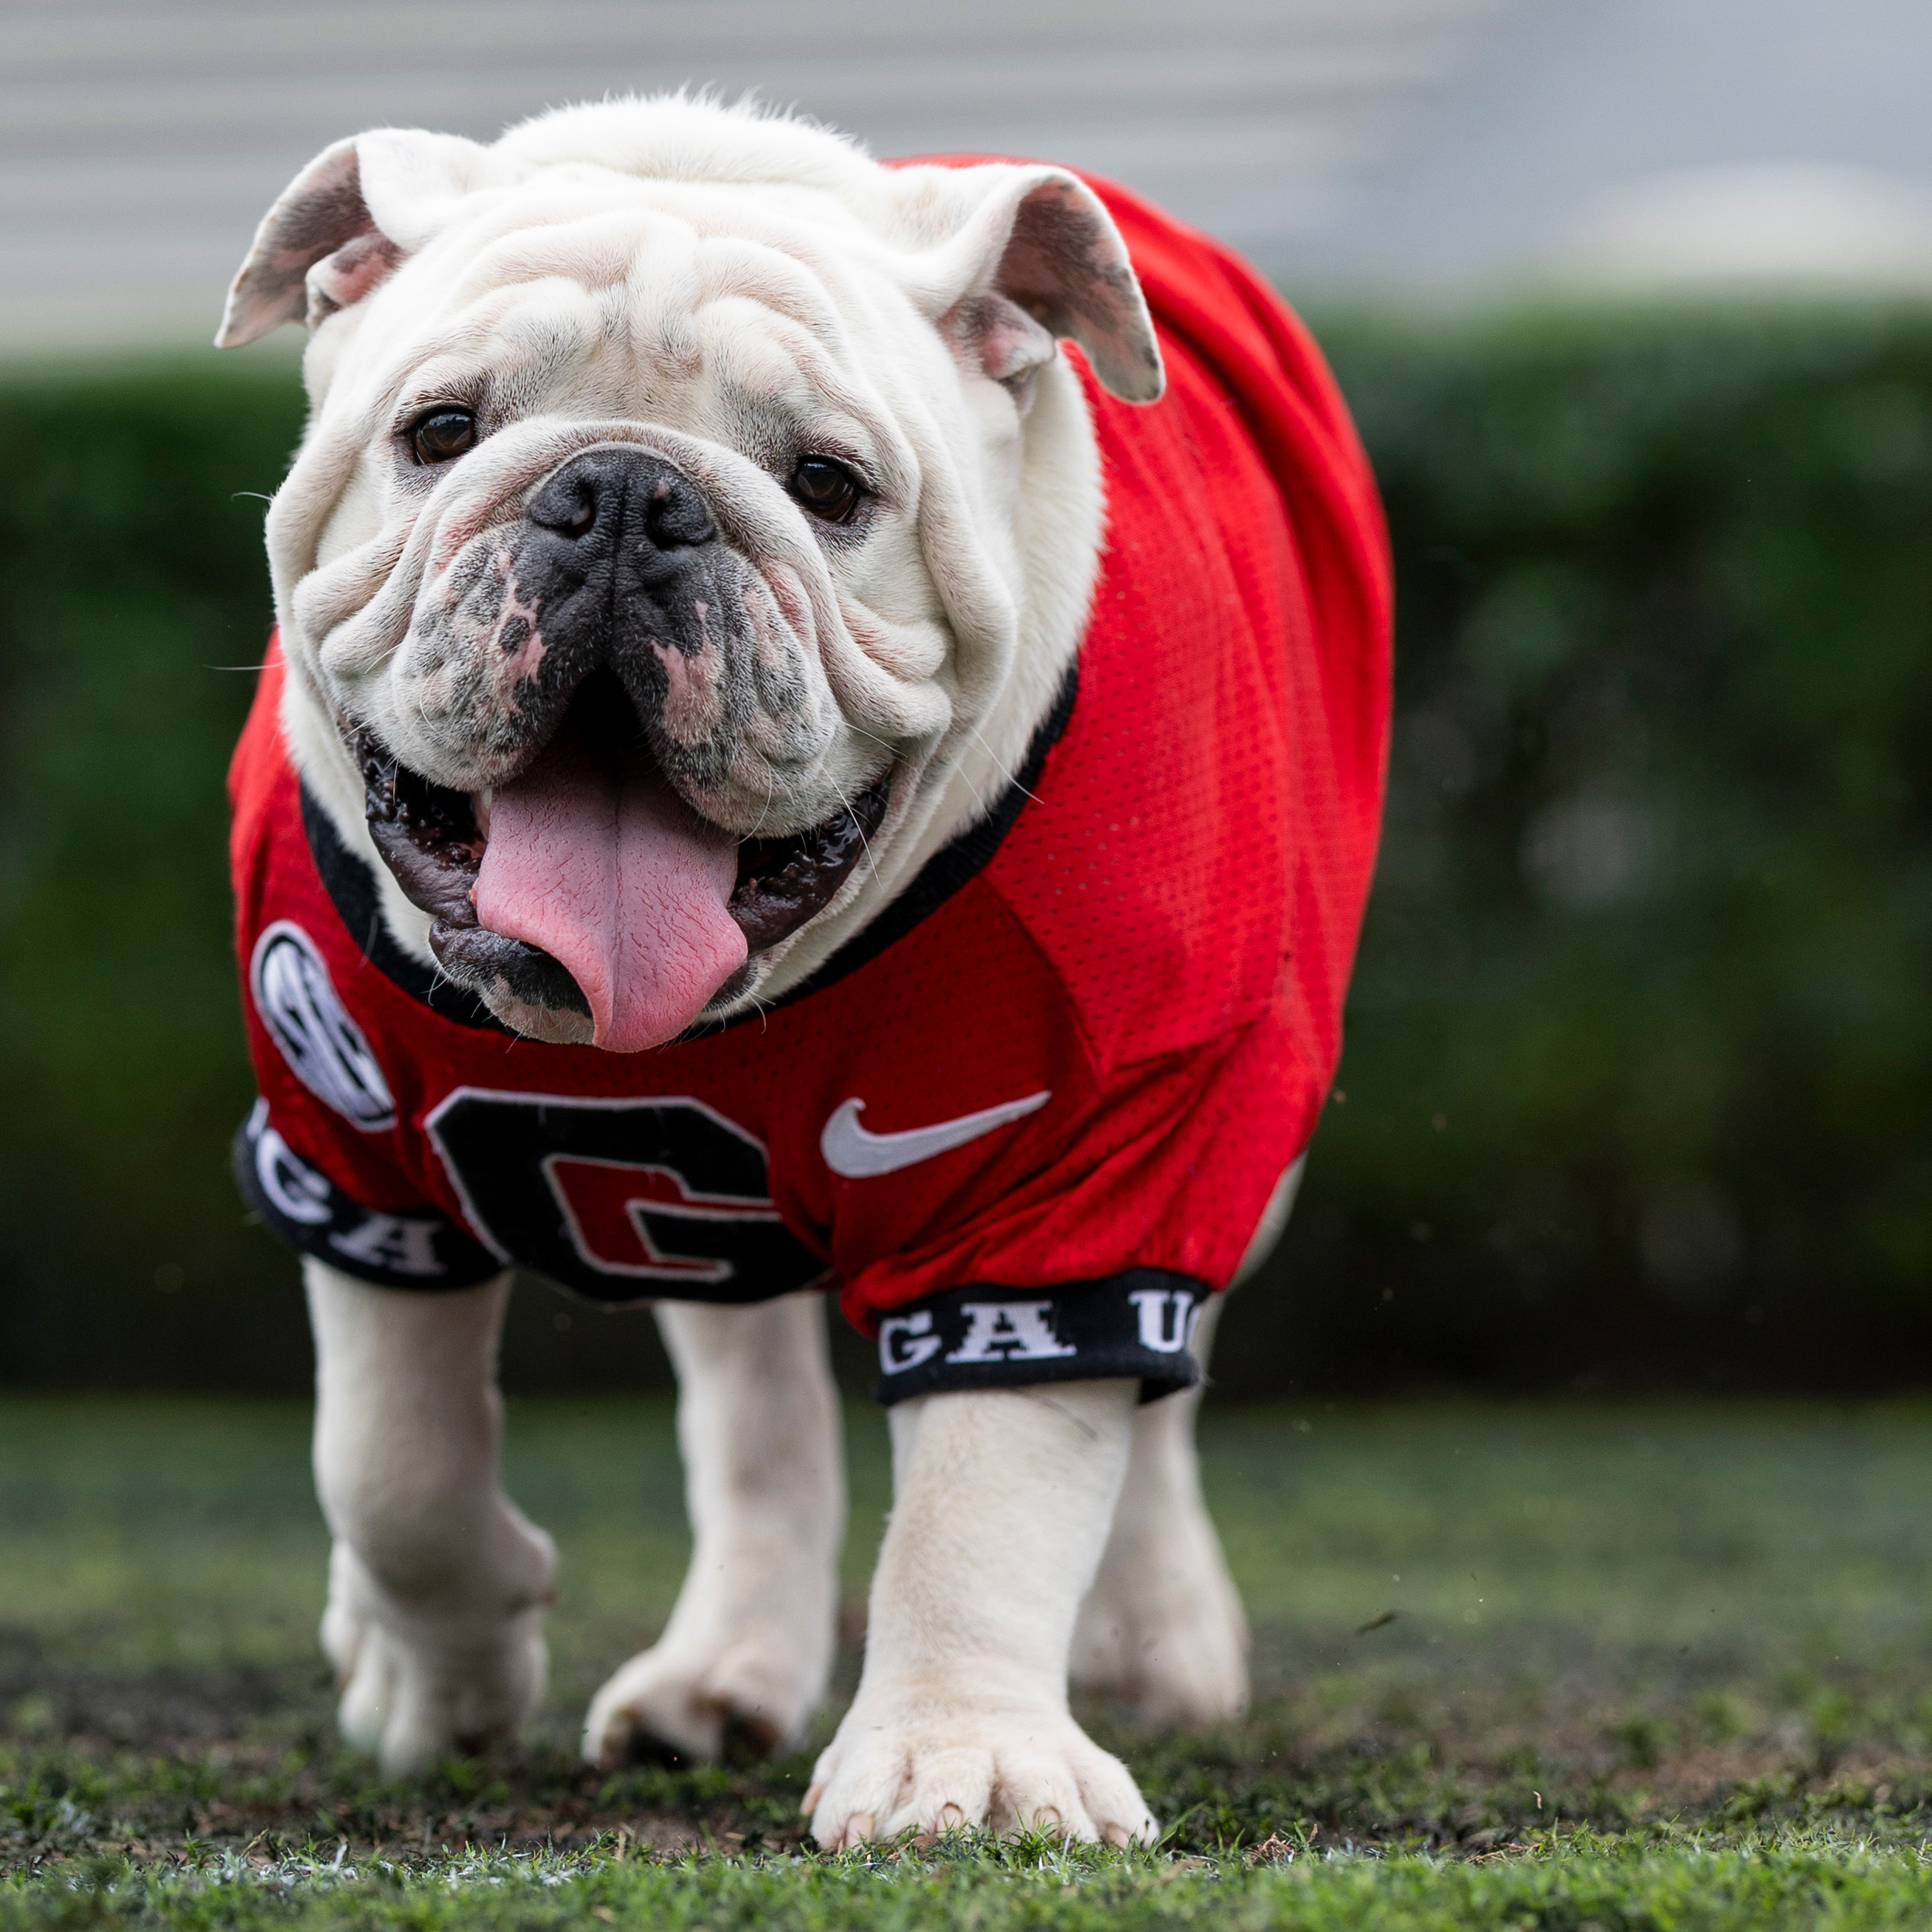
column 689, row 506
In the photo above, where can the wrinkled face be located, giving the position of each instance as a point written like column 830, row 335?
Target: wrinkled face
column 622, row 608
column 654, row 542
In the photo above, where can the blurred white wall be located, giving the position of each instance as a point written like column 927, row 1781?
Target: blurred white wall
column 1409, row 145
column 141, row 140
column 1657, row 143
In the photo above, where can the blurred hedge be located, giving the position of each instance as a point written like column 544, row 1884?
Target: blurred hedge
column 1639, row 1077
column 1638, row 1085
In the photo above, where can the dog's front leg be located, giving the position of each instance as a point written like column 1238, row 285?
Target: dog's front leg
column 437, row 1582
column 750, row 1645
column 1001, row 1504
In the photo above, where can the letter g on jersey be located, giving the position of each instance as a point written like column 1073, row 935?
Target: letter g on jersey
column 620, row 1200
column 325, row 1050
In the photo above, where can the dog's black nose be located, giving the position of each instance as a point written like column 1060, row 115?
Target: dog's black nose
column 621, row 503
column 619, row 564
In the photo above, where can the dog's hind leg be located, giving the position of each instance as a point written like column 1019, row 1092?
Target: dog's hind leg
column 437, row 1583
column 749, row 1647
column 1163, row 1628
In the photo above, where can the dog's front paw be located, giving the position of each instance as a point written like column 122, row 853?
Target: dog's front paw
column 911, row 1763
column 418, row 1689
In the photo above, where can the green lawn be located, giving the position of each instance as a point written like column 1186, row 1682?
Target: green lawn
column 1656, row 1666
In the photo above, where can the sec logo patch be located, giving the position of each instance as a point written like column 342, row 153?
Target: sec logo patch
column 324, row 1048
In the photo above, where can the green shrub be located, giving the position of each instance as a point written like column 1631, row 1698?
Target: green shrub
column 1639, row 1077
column 134, row 545
column 1641, row 1045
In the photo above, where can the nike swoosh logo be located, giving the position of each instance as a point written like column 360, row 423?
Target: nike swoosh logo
column 849, row 1150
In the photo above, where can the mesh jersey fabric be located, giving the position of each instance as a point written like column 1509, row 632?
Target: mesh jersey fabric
column 1076, row 1080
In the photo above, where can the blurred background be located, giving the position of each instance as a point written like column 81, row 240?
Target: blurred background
column 1630, row 298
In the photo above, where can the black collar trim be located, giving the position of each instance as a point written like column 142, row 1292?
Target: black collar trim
column 352, row 888
column 955, row 865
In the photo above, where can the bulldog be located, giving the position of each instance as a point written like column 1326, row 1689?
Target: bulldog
column 826, row 732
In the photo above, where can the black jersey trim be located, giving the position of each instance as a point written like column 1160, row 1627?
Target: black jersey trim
column 1136, row 1324
column 954, row 866
column 305, row 1210
column 351, row 889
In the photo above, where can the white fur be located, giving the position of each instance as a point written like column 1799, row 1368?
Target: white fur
column 437, row 1583
column 752, row 1638
column 612, row 259
column 1007, row 1559
column 1001, row 1501
column 1162, row 1628
column 664, row 271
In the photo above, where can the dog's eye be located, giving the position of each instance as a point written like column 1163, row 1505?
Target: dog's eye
column 442, row 434
column 828, row 490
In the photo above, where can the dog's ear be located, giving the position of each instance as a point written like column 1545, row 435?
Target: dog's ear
column 343, row 225
column 1037, row 257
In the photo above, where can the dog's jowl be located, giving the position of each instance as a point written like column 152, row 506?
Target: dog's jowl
column 826, row 736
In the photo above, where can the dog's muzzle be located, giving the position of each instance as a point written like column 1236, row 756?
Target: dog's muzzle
column 622, row 669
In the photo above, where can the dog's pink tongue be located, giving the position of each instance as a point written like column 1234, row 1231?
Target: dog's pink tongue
column 603, row 865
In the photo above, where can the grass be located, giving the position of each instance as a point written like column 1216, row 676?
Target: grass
column 1649, row 1667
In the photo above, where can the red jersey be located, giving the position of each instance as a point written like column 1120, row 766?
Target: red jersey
column 1026, row 1122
